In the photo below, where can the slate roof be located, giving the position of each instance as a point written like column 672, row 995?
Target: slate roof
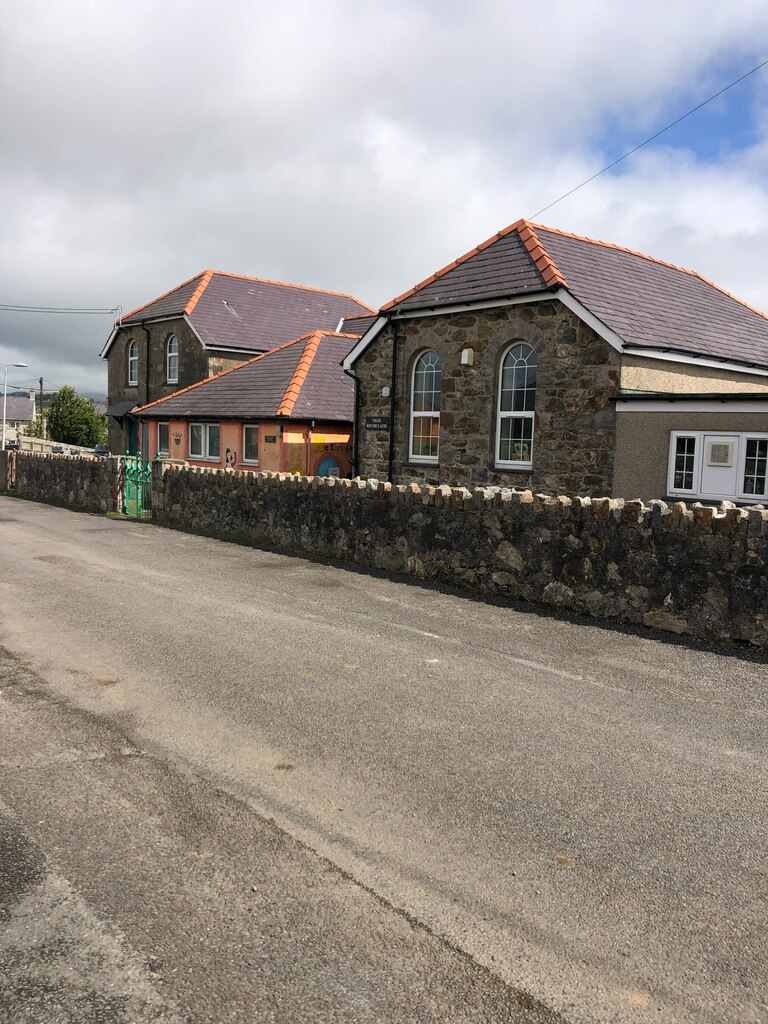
column 18, row 407
column 232, row 312
column 300, row 380
column 357, row 324
column 646, row 302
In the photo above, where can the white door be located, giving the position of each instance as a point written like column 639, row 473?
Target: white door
column 720, row 465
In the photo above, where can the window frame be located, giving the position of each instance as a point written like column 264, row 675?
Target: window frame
column 133, row 358
column 698, row 438
column 206, row 445
column 257, row 428
column 167, row 425
column 740, row 439
column 503, row 414
column 424, row 460
column 168, row 356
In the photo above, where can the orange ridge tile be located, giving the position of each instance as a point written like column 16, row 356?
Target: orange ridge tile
column 206, row 276
column 245, row 362
column 170, row 291
column 198, row 292
column 300, row 374
column 450, row 266
column 653, row 259
column 541, row 258
column 287, row 284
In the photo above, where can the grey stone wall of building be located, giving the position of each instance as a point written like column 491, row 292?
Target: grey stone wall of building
column 153, row 384
column 88, row 485
column 642, row 444
column 578, row 377
column 692, row 570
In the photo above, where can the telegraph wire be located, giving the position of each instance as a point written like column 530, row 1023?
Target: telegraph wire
column 76, row 310
column 656, row 135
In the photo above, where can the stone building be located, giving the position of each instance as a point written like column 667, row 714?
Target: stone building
column 542, row 359
column 205, row 325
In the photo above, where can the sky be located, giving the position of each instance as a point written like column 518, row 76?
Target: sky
column 358, row 145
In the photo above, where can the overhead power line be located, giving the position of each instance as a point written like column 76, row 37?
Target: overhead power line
column 79, row 311
column 661, row 131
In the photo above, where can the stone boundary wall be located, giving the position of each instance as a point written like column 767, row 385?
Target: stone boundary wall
column 697, row 570
column 86, row 484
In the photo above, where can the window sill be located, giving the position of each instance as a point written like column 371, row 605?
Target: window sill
column 526, row 467
column 249, row 462
column 422, row 462
column 206, row 458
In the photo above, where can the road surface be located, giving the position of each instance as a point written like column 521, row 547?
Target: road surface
column 532, row 816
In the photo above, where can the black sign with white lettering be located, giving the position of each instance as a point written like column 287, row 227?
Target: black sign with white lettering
column 270, row 439
column 377, row 422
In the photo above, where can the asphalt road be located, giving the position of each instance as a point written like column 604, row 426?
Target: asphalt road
column 571, row 817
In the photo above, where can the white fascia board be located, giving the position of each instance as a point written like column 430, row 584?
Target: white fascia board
column 104, row 352
column 140, row 323
column 693, row 360
column 470, row 307
column 520, row 300
column 722, row 408
column 370, row 335
column 600, row 329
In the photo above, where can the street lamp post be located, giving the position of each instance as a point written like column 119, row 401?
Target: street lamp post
column 5, row 396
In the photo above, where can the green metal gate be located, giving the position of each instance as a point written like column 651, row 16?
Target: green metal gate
column 138, row 475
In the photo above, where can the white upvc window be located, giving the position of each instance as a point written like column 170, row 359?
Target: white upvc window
column 133, row 363
column 684, row 469
column 426, row 381
column 163, row 439
column 205, row 441
column 251, row 444
column 516, row 406
column 712, row 465
column 172, row 360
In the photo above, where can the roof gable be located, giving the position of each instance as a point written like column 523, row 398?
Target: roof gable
column 643, row 302
column 301, row 379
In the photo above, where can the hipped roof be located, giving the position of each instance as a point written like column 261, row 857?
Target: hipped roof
column 300, row 380
column 645, row 302
column 234, row 312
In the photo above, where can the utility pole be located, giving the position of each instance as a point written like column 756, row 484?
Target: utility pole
column 42, row 414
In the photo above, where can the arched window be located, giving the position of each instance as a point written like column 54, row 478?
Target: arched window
column 133, row 363
column 517, row 401
column 172, row 360
column 425, row 407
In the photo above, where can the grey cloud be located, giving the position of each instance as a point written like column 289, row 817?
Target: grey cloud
column 351, row 146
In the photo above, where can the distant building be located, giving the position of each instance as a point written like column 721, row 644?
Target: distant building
column 19, row 414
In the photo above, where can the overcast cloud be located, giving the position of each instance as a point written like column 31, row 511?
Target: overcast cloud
column 358, row 146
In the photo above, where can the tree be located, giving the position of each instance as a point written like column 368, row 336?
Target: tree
column 35, row 428
column 73, row 419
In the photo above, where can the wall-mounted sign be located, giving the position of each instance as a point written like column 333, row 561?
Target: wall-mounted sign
column 377, row 422
column 270, row 438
